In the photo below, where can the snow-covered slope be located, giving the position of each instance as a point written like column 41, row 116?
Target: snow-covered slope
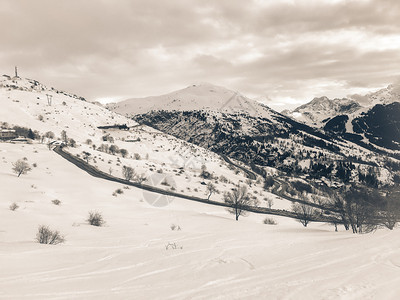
column 315, row 112
column 230, row 124
column 204, row 96
column 386, row 95
column 186, row 250
column 24, row 102
column 378, row 125
column 128, row 258
column 149, row 151
column 318, row 111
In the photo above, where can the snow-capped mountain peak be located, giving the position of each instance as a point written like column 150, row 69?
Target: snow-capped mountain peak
column 320, row 109
column 386, row 95
column 202, row 96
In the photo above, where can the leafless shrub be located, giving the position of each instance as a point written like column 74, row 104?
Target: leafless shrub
column 95, row 218
column 165, row 182
column 223, row 179
column 47, row 236
column 173, row 246
column 175, row 227
column 270, row 221
column 14, row 206
column 56, row 202
column 140, row 178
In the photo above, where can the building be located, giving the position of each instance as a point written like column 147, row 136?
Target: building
column 7, row 134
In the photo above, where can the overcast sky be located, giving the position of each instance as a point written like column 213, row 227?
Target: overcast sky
column 286, row 51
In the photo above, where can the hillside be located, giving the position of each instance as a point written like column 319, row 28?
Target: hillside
column 25, row 103
column 154, row 246
column 285, row 145
column 378, row 126
column 149, row 151
column 215, row 255
column 204, row 96
column 320, row 110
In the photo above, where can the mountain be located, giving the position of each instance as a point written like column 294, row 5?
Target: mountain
column 383, row 96
column 203, row 96
column 379, row 126
column 260, row 138
column 188, row 249
column 319, row 110
column 107, row 140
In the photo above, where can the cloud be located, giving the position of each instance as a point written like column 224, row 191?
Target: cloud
column 281, row 49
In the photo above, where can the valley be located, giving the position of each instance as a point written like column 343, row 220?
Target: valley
column 160, row 179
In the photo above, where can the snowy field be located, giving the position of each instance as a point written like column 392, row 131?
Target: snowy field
column 215, row 256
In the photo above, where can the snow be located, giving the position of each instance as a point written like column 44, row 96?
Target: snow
column 316, row 111
column 215, row 256
column 203, row 96
column 127, row 258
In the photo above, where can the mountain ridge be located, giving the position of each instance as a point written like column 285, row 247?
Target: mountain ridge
column 203, row 96
column 321, row 109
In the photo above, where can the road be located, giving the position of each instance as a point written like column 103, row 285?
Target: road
column 91, row 170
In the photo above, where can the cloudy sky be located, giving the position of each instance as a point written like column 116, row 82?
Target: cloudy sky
column 285, row 51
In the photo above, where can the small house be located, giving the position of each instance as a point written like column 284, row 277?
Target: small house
column 7, row 134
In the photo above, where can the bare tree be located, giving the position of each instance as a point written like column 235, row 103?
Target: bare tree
column 363, row 205
column 211, row 188
column 360, row 208
column 238, row 200
column 113, row 149
column 123, row 152
column 50, row 135
column 249, row 182
column 391, row 209
column 268, row 182
column 49, row 99
column 128, row 172
column 64, row 137
column 21, row 167
column 139, row 178
column 72, row 143
column 270, row 202
column 103, row 148
column 304, row 212
column 86, row 156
